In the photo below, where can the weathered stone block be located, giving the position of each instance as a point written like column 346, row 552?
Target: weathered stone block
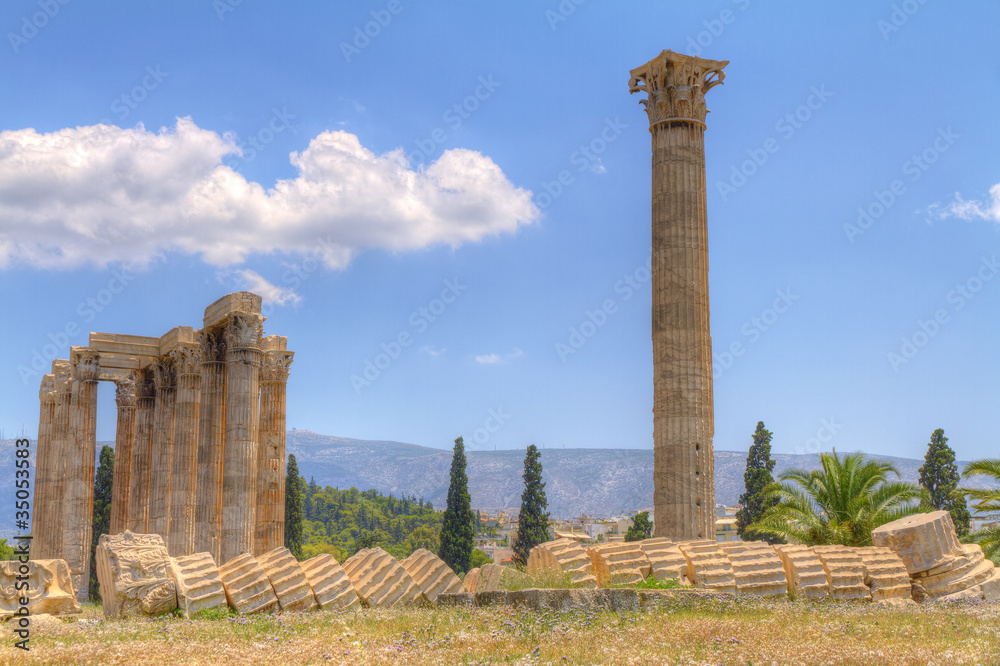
column 329, row 583
column 248, row 589
column 665, row 559
column 923, row 541
column 991, row 587
column 885, row 575
column 287, row 580
column 493, row 577
column 380, row 580
column 621, row 563
column 845, row 572
column 757, row 568
column 431, row 574
column 50, row 588
column 563, row 556
column 135, row 575
column 804, row 571
column 458, row 600
column 969, row 570
column 199, row 585
column 708, row 566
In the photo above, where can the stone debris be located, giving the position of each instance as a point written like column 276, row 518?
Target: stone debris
column 380, row 580
column 287, row 580
column 757, row 568
column 665, row 559
column 885, row 575
column 620, row 563
column 248, row 588
column 431, row 574
column 845, row 572
column 492, row 577
column 804, row 571
column 991, row 587
column 471, row 580
column 199, row 585
column 708, row 566
column 49, row 592
column 135, row 575
column 330, row 583
column 565, row 556
column 961, row 577
column 923, row 541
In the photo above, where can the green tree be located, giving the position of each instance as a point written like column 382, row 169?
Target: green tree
column 533, row 521
column 479, row 558
column 102, row 512
column 641, row 527
column 424, row 537
column 457, row 533
column 839, row 503
column 293, row 508
column 987, row 503
column 939, row 477
column 756, row 479
column 6, row 552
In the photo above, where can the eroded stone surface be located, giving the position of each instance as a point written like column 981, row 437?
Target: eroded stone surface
column 287, row 580
column 199, row 585
column 135, row 574
column 666, row 559
column 757, row 568
column 804, row 571
column 708, row 566
column 330, row 583
column 969, row 570
column 845, row 572
column 380, row 580
column 562, row 556
column 431, row 574
column 49, row 591
column 492, row 577
column 923, row 541
column 885, row 574
column 622, row 563
column 248, row 589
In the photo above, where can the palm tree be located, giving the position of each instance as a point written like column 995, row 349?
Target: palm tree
column 987, row 502
column 839, row 503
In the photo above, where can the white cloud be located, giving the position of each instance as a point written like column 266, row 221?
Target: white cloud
column 249, row 280
column 433, row 351
column 494, row 359
column 971, row 210
column 100, row 194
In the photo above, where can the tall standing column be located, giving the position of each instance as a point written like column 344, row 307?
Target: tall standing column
column 683, row 426
column 142, row 453
column 211, row 444
column 239, row 484
column 271, row 452
column 45, row 457
column 55, row 517
column 187, row 361
column 78, row 502
column 124, row 442
column 165, row 376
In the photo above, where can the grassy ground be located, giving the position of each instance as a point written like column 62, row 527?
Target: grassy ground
column 723, row 631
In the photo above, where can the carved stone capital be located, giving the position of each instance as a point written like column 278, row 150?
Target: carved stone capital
column 145, row 387
column 675, row 85
column 275, row 366
column 164, row 373
column 244, row 331
column 87, row 366
column 187, row 358
column 125, row 395
column 47, row 391
column 213, row 346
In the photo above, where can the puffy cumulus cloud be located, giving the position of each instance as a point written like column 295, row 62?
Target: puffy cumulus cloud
column 249, row 280
column 103, row 194
column 971, row 210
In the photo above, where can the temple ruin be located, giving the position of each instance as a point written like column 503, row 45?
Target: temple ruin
column 199, row 444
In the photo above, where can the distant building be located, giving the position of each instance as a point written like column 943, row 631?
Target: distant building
column 725, row 530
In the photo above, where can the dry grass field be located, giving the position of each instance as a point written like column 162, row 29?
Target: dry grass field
column 718, row 631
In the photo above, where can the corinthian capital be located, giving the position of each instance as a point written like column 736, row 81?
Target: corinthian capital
column 47, row 391
column 243, row 331
column 213, row 345
column 125, row 392
column 675, row 86
column 275, row 366
column 164, row 373
column 144, row 385
column 86, row 365
column 187, row 358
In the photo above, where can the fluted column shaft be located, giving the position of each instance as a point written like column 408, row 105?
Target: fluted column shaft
column 211, row 445
column 185, row 457
column 55, row 517
column 124, row 441
column 270, row 532
column 163, row 448
column 45, row 457
column 142, row 454
column 79, row 498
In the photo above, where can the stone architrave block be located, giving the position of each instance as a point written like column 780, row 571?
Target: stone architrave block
column 248, row 589
column 966, row 572
column 621, row 563
column 49, row 591
column 708, row 566
column 757, row 568
column 885, row 575
column 199, row 585
column 330, row 584
column 845, row 572
column 135, row 575
column 665, row 559
column 804, row 571
column 380, row 580
column 923, row 541
column 562, row 556
column 431, row 574
column 287, row 580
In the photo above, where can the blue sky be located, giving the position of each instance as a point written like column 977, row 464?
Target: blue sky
column 355, row 179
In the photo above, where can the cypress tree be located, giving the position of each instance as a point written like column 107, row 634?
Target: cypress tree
column 293, row 508
column 457, row 534
column 939, row 476
column 641, row 527
column 533, row 521
column 102, row 513
column 754, row 502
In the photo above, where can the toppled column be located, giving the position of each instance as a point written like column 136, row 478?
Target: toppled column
column 492, row 577
column 199, row 585
column 125, row 398
column 845, row 572
column 666, row 559
column 142, row 453
column 708, row 566
column 562, row 557
column 211, row 443
column 165, row 377
column 270, row 528
column 757, row 568
column 46, row 458
column 135, row 574
column 248, row 589
column 49, row 588
column 885, row 575
column 620, row 563
column 961, row 577
column 330, row 583
column 431, row 574
column 804, row 571
column 78, row 502
column 380, row 580
column 287, row 580
column 184, row 474
column 923, row 541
